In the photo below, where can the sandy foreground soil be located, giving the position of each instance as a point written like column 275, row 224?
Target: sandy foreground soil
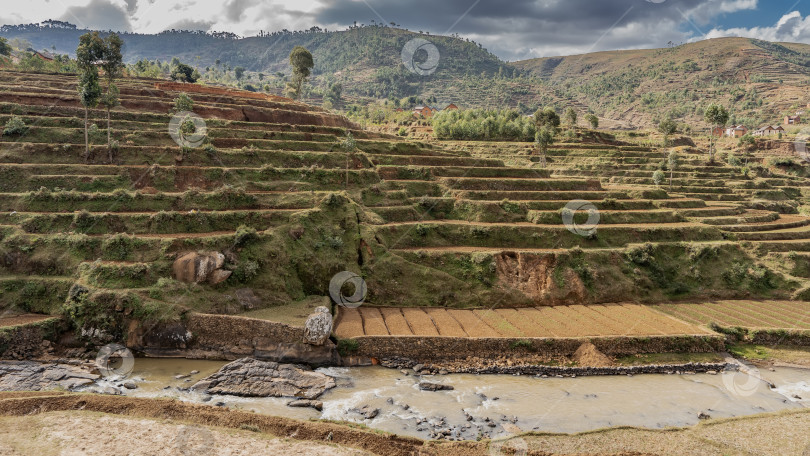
column 97, row 434
column 74, row 433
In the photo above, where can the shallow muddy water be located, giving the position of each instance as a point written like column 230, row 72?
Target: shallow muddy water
column 510, row 403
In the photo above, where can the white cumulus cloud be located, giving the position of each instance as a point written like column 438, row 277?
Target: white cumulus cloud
column 790, row 27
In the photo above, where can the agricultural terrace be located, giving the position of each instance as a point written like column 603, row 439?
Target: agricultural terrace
column 548, row 322
column 289, row 199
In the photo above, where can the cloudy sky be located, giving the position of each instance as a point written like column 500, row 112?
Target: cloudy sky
column 512, row 29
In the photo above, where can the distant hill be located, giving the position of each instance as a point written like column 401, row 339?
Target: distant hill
column 367, row 60
column 758, row 81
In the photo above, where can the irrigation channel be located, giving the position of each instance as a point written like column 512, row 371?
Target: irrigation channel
column 499, row 405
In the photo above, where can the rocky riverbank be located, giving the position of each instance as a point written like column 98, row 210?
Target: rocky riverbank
column 35, row 376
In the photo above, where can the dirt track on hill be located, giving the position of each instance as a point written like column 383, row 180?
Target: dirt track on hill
column 22, row 319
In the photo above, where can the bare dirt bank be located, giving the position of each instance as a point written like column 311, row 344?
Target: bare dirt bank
column 96, row 434
column 91, row 424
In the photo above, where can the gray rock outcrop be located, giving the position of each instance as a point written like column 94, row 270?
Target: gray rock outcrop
column 34, row 376
column 251, row 377
column 318, row 326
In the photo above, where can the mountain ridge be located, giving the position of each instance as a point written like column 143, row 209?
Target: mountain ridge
column 758, row 81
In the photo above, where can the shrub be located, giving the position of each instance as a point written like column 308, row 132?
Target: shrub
column 347, row 346
column 244, row 235
column 118, row 246
column 422, row 230
column 785, row 162
column 15, row 126
column 658, row 177
column 510, row 206
column 733, row 160
column 83, row 220
column 748, row 142
column 640, row 254
column 183, row 102
column 522, row 343
column 246, row 271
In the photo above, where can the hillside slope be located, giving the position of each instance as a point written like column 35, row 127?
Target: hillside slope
column 759, row 81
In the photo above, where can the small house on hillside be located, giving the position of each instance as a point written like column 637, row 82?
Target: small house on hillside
column 718, row 131
column 44, row 55
column 424, row 111
column 792, row 120
column 736, row 131
column 451, row 106
column 769, row 130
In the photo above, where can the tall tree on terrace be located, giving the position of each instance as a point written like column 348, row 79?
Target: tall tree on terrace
column 547, row 117
column 113, row 66
column 301, row 63
column 592, row 120
column 716, row 116
column 88, row 54
column 672, row 163
column 667, row 127
column 571, row 118
column 543, row 138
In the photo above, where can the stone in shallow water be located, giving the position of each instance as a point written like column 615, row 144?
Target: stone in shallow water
column 317, row 405
column 251, row 377
column 430, row 386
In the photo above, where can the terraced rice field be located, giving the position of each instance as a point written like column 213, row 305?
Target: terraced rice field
column 792, row 315
column 535, row 322
column 481, row 217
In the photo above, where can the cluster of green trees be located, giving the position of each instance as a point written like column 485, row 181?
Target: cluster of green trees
column 484, row 124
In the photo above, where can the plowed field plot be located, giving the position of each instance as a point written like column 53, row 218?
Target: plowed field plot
column 560, row 321
column 745, row 314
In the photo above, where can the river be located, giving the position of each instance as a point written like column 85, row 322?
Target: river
column 498, row 405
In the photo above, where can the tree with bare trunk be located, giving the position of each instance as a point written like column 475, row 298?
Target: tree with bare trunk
column 112, row 63
column 88, row 54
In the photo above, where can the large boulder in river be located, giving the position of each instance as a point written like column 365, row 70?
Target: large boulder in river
column 318, row 326
column 199, row 267
column 251, row 377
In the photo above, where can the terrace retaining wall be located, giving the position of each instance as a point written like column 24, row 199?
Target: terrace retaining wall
column 432, row 349
column 206, row 336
